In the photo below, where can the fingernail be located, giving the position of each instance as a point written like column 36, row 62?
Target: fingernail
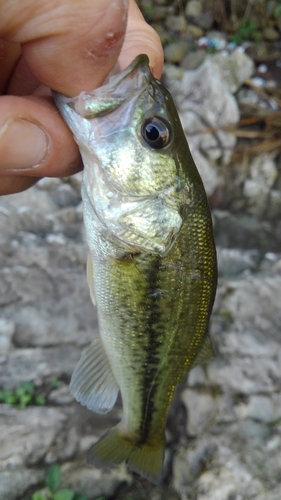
column 23, row 145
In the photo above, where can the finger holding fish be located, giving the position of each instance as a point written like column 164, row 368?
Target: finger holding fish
column 68, row 46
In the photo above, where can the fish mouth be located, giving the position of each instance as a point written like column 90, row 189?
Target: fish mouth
column 132, row 79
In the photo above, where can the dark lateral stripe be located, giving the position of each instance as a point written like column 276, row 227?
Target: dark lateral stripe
column 152, row 330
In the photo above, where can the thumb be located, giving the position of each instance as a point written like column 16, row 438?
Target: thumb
column 68, row 45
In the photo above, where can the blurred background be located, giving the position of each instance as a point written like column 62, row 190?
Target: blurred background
column 223, row 68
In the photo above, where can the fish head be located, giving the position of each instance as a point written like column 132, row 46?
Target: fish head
column 131, row 142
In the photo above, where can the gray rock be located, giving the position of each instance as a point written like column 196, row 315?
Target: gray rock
column 61, row 395
column 233, row 69
column 48, row 183
column 204, row 102
column 94, row 482
column 14, row 483
column 246, row 232
column 205, row 20
column 33, row 222
column 38, row 364
column 65, row 196
column 254, row 304
column 193, row 8
column 263, row 173
column 201, row 411
column 194, row 31
column 232, row 261
column 7, row 330
column 270, row 34
column 174, row 52
column 34, row 430
column 274, row 204
column 176, row 23
column 192, row 60
column 160, row 12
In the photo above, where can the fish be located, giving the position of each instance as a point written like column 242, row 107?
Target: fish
column 151, row 269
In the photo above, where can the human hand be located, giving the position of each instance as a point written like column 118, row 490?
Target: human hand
column 68, row 46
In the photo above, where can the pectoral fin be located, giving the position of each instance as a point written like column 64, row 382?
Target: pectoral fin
column 90, row 278
column 93, row 383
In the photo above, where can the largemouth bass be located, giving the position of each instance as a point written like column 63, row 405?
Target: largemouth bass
column 152, row 261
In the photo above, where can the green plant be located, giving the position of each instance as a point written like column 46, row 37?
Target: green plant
column 148, row 9
column 24, row 395
column 54, row 382
column 277, row 11
column 53, row 491
column 247, row 30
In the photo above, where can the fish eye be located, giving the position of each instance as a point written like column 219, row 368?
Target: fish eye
column 156, row 133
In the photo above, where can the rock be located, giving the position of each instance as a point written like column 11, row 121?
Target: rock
column 245, row 232
column 194, row 31
column 188, row 464
column 270, row 34
column 29, row 199
column 193, row 60
column 254, row 302
column 34, row 430
column 50, row 280
column 159, row 12
column 48, row 183
column 207, row 169
column 94, row 482
column 193, row 8
column 176, row 23
column 204, row 102
column 65, row 196
column 64, row 447
column 205, row 20
column 37, row 364
column 233, row 68
column 232, row 261
column 263, row 173
column 274, row 205
column 32, row 221
column 261, row 408
column 14, row 483
column 201, row 411
column 7, row 330
column 174, row 52
column 61, row 395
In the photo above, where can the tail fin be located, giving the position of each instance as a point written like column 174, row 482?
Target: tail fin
column 115, row 448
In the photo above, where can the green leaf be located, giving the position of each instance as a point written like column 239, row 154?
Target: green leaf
column 27, row 387
column 40, row 400
column 24, row 400
column 64, row 495
column 54, row 382
column 38, row 496
column 277, row 11
column 10, row 398
column 53, row 477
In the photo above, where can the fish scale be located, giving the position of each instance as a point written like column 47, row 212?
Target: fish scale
column 152, row 266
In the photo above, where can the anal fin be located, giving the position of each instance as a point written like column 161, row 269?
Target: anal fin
column 93, row 383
